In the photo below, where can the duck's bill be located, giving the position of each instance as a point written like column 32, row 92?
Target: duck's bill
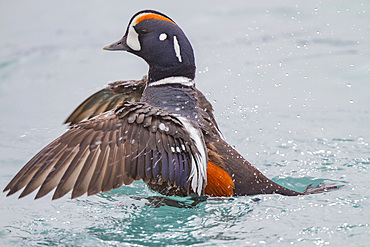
column 119, row 45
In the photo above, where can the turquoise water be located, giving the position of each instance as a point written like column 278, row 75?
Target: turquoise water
column 290, row 85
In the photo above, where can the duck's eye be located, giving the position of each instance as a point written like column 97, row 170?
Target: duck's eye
column 143, row 31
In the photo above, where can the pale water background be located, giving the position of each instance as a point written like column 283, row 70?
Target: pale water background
column 290, row 83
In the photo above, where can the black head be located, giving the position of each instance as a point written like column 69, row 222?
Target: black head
column 157, row 39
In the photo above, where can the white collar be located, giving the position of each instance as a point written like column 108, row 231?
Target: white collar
column 173, row 80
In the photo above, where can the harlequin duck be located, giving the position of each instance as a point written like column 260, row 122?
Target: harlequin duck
column 160, row 129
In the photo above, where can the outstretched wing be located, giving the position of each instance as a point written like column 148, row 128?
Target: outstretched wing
column 135, row 141
column 108, row 99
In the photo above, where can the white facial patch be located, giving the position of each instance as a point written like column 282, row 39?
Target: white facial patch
column 132, row 39
column 162, row 36
column 177, row 48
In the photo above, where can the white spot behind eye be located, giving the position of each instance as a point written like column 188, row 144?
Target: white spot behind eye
column 162, row 36
column 177, row 48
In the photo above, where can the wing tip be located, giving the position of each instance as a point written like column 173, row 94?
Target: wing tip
column 6, row 188
column 77, row 193
column 57, row 196
column 12, row 191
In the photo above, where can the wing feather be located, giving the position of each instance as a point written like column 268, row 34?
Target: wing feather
column 53, row 178
column 70, row 176
column 31, row 165
column 134, row 141
column 107, row 99
column 95, row 185
column 43, row 171
column 107, row 183
column 86, row 173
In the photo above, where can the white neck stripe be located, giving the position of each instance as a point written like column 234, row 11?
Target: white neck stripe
column 174, row 80
column 177, row 48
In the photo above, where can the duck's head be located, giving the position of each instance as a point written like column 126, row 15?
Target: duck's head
column 157, row 39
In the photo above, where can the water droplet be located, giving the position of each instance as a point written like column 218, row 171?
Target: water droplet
column 351, row 101
column 286, row 74
column 298, row 116
column 349, row 85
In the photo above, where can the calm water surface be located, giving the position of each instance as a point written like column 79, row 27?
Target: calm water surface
column 290, row 83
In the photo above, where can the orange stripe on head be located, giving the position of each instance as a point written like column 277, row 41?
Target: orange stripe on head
column 152, row 16
column 219, row 182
